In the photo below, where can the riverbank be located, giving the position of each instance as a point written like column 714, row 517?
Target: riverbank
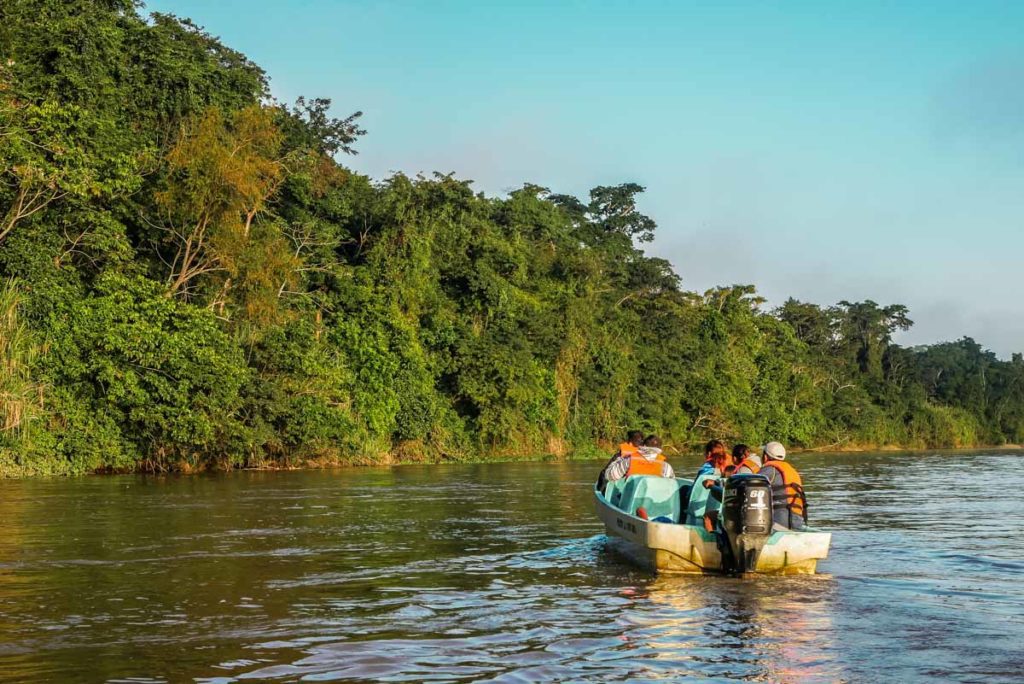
column 234, row 295
column 10, row 470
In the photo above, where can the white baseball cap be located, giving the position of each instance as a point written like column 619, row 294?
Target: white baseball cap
column 774, row 450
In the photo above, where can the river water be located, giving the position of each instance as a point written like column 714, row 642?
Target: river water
column 499, row 572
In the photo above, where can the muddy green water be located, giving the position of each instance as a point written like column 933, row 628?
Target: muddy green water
column 499, row 573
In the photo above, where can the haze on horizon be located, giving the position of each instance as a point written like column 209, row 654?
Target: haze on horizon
column 821, row 151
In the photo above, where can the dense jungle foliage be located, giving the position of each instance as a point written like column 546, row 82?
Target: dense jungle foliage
column 191, row 277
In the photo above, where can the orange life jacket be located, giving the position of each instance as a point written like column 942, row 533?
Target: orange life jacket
column 627, row 449
column 790, row 493
column 749, row 462
column 638, row 465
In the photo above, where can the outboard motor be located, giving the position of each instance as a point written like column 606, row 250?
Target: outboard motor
column 746, row 518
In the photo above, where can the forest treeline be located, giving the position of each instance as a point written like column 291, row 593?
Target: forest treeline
column 190, row 276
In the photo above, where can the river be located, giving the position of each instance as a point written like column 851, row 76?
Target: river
column 499, row 572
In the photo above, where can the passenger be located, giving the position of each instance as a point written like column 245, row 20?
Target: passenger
column 652, row 449
column 702, row 508
column 789, row 505
column 711, row 451
column 648, row 460
column 634, row 440
column 747, row 462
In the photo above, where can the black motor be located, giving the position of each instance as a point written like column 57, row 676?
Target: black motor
column 746, row 518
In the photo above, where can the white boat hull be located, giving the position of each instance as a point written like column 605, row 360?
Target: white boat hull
column 675, row 548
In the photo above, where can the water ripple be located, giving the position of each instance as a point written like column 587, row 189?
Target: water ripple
column 497, row 573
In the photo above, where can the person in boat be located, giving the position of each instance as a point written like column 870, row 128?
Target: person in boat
column 747, row 462
column 742, row 457
column 652, row 449
column 702, row 508
column 634, row 440
column 712, row 450
column 646, row 460
column 789, row 505
column 738, row 454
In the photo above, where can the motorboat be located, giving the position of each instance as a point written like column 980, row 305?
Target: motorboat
column 645, row 516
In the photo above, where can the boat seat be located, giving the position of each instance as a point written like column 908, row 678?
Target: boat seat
column 684, row 495
column 613, row 491
column 659, row 496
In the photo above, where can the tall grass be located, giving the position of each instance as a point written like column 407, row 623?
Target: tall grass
column 20, row 396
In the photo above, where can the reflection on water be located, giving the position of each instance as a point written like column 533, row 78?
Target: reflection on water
column 498, row 573
column 748, row 628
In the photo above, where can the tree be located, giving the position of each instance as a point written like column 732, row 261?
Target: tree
column 309, row 126
column 221, row 174
column 614, row 210
column 611, row 215
column 812, row 325
column 156, row 376
column 49, row 152
column 865, row 331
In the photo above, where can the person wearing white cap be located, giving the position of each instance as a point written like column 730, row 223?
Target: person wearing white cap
column 789, row 505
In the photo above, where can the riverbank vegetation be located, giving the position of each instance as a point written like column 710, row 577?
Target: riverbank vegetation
column 192, row 277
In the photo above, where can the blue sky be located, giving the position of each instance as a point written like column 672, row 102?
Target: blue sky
column 821, row 150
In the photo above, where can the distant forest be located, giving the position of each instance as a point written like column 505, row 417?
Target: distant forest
column 191, row 277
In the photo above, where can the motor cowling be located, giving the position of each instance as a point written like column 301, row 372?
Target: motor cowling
column 746, row 520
